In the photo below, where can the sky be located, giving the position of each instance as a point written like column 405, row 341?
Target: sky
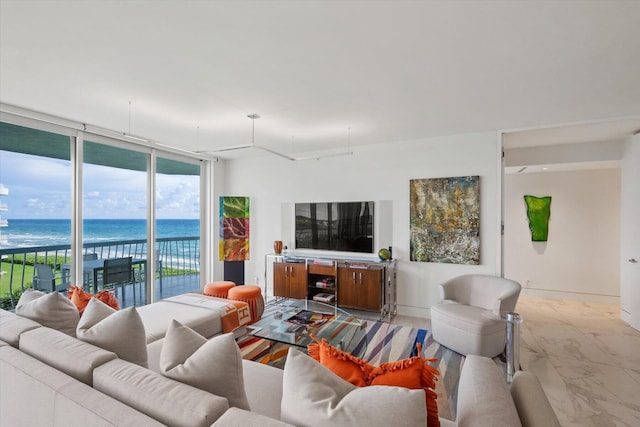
column 40, row 188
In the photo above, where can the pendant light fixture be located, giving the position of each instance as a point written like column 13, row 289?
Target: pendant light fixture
column 253, row 118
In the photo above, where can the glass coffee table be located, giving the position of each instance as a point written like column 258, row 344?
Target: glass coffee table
column 291, row 321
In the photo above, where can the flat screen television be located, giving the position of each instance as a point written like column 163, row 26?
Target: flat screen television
column 339, row 226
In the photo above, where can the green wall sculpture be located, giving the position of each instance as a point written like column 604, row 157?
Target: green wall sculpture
column 538, row 212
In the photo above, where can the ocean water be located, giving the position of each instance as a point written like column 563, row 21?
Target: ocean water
column 47, row 232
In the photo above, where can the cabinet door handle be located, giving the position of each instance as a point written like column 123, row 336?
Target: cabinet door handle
column 354, row 277
column 361, row 278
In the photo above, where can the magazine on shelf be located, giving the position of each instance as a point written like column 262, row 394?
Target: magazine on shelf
column 324, row 297
column 325, row 283
column 310, row 318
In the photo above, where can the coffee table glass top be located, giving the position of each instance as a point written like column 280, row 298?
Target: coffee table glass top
column 293, row 321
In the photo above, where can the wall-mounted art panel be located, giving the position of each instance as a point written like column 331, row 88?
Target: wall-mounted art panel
column 538, row 212
column 234, row 228
column 445, row 220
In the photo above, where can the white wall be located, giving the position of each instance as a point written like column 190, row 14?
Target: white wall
column 630, row 248
column 380, row 172
column 581, row 259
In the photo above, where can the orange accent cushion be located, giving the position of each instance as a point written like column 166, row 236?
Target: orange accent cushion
column 80, row 298
column 343, row 364
column 412, row 373
column 108, row 298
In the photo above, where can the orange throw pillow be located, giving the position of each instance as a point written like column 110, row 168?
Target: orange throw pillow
column 345, row 365
column 80, row 298
column 108, row 298
column 413, row 373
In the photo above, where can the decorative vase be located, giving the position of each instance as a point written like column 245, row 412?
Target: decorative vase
column 384, row 254
column 277, row 247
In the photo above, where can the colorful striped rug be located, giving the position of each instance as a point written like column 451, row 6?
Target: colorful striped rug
column 384, row 343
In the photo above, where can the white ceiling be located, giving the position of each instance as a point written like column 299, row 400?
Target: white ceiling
column 325, row 74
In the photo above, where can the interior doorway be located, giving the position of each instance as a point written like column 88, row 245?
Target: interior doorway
column 581, row 258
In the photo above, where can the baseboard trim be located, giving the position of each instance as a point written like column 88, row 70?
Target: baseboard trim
column 414, row 311
column 571, row 295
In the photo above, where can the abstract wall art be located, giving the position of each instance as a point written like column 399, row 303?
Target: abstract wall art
column 538, row 212
column 234, row 228
column 445, row 220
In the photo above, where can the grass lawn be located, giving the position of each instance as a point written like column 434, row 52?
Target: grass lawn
column 17, row 277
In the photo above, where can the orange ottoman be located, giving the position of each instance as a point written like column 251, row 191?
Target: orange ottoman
column 218, row 289
column 252, row 295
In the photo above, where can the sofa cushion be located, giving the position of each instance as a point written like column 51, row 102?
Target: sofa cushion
column 156, row 318
column 475, row 320
column 119, row 331
column 214, row 366
column 153, row 354
column 53, row 310
column 531, row 403
column 56, row 396
column 312, row 395
column 263, row 386
column 468, row 330
column 12, row 325
column 236, row 417
column 483, row 397
column 168, row 401
column 413, row 373
column 67, row 354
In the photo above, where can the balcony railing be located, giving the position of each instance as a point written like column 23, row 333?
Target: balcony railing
column 176, row 256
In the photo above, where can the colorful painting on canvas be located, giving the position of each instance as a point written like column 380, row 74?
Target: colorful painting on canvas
column 234, row 229
column 445, row 220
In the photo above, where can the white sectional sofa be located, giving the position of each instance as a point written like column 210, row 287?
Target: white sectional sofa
column 48, row 378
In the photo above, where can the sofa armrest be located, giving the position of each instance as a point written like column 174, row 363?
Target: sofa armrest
column 236, row 417
column 12, row 325
column 532, row 404
column 483, row 396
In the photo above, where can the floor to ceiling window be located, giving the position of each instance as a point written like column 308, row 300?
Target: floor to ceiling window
column 35, row 220
column 177, row 200
column 114, row 226
column 120, row 200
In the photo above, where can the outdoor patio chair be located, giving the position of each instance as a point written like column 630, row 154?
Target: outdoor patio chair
column 44, row 278
column 118, row 273
column 87, row 275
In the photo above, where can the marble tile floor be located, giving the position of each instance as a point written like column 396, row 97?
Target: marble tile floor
column 585, row 356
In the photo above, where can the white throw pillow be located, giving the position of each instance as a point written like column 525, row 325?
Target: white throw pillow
column 52, row 310
column 312, row 395
column 214, row 365
column 119, row 331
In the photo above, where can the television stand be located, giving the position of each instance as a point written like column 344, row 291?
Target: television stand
column 352, row 284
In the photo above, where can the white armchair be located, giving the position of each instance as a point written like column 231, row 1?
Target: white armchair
column 470, row 316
